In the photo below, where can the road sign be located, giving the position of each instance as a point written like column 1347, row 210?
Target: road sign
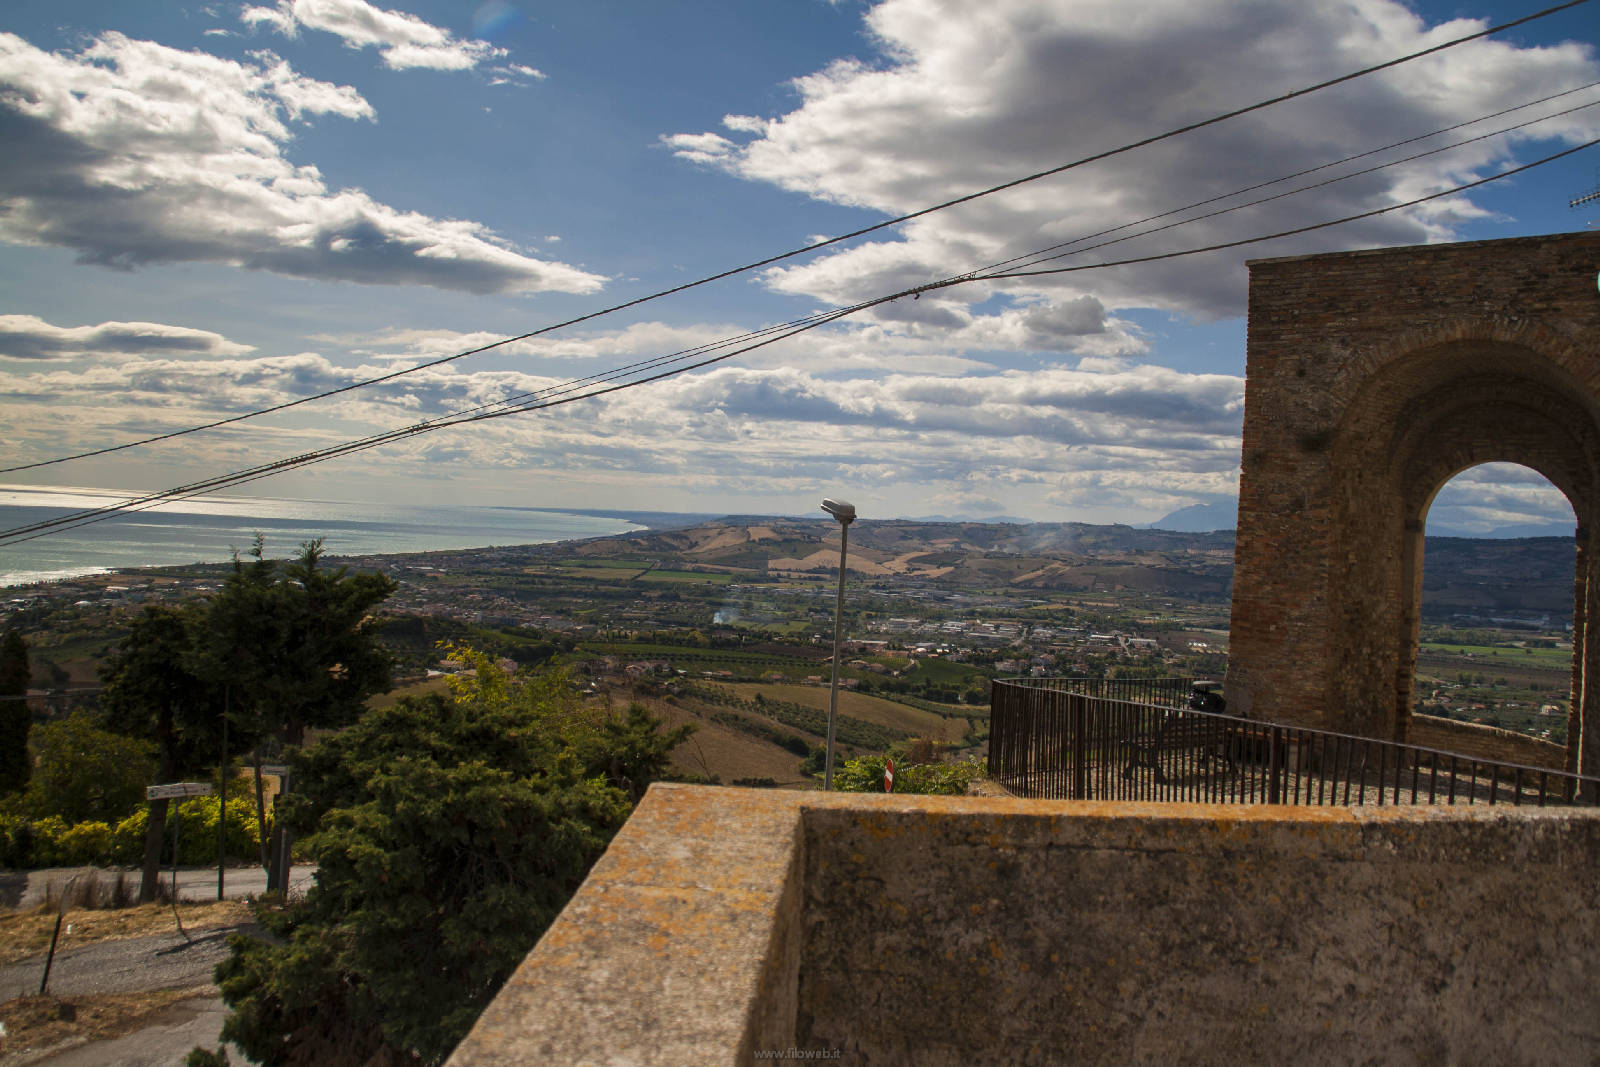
column 178, row 789
column 888, row 776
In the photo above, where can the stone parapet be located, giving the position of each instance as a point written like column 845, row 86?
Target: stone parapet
column 725, row 923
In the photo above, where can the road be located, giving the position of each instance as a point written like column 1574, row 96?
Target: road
column 161, row 961
column 26, row 889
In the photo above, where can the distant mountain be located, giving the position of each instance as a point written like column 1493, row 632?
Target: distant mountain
column 1008, row 519
column 1198, row 518
column 1505, row 533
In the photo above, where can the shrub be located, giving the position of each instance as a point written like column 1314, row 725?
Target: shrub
column 865, row 775
column 197, row 837
column 83, row 844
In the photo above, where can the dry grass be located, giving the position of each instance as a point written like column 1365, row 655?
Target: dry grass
column 715, row 749
column 415, row 689
column 33, row 1024
column 26, row 934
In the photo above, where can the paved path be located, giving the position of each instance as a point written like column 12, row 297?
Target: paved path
column 26, row 889
column 162, row 961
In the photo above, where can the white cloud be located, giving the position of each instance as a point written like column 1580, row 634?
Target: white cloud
column 133, row 153
column 30, row 337
column 743, row 430
column 1492, row 496
column 962, row 96
column 404, row 41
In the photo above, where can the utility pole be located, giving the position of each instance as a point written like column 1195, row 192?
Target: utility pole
column 846, row 514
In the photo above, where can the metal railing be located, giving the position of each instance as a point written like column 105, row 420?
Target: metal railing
column 1170, row 691
column 1047, row 739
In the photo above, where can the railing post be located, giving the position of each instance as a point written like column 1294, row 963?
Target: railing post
column 1274, row 767
column 1080, row 748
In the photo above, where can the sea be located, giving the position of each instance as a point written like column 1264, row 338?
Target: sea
column 211, row 529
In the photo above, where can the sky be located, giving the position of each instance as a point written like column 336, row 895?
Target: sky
column 211, row 208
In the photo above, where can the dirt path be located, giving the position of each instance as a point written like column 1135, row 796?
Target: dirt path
column 129, row 1000
column 138, row 964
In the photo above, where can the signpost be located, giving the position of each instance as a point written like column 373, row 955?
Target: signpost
column 888, row 776
column 177, row 790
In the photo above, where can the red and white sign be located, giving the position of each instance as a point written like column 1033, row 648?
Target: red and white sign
column 888, row 776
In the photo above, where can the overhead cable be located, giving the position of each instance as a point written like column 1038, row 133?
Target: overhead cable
column 41, row 529
column 814, row 246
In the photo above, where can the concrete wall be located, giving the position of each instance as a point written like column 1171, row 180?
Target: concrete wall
column 934, row 930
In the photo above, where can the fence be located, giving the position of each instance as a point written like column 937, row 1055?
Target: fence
column 1050, row 738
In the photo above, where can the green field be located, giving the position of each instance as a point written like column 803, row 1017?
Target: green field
column 897, row 716
column 1546, row 658
column 624, row 571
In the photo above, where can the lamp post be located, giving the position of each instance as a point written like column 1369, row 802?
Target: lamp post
column 846, row 514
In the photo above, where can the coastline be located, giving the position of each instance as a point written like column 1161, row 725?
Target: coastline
column 188, row 542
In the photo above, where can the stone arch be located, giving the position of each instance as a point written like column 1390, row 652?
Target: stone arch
column 1372, row 379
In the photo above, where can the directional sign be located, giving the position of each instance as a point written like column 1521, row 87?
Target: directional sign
column 178, row 789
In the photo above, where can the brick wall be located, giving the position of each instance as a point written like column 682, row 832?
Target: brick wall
column 1486, row 742
column 1372, row 378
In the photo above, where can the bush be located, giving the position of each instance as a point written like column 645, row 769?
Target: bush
column 865, row 775
column 51, row 841
column 197, row 839
column 83, row 844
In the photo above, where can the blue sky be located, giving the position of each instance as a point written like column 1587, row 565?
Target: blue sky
column 210, row 208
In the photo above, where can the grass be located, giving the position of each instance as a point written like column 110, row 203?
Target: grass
column 415, row 689
column 727, row 752
column 1548, row 658
column 34, row 1023
column 26, row 934
column 872, row 709
column 681, row 577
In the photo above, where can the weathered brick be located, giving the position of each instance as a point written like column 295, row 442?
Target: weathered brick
column 1372, row 378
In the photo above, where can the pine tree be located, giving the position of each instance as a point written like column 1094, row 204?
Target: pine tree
column 153, row 690
column 449, row 832
column 298, row 645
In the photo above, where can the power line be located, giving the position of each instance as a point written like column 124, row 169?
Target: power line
column 1041, row 257
column 1299, row 229
column 1335, row 163
column 967, row 198
column 35, row 530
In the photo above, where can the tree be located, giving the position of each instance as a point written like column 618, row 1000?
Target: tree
column 152, row 690
column 299, row 647
column 84, row 773
column 449, row 832
column 15, row 718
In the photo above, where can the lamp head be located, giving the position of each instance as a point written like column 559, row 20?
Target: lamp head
column 843, row 511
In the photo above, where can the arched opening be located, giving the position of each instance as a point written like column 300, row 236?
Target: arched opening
column 1495, row 607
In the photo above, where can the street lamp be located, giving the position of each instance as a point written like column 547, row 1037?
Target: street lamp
column 846, row 514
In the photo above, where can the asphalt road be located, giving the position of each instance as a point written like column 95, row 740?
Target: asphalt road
column 26, row 889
